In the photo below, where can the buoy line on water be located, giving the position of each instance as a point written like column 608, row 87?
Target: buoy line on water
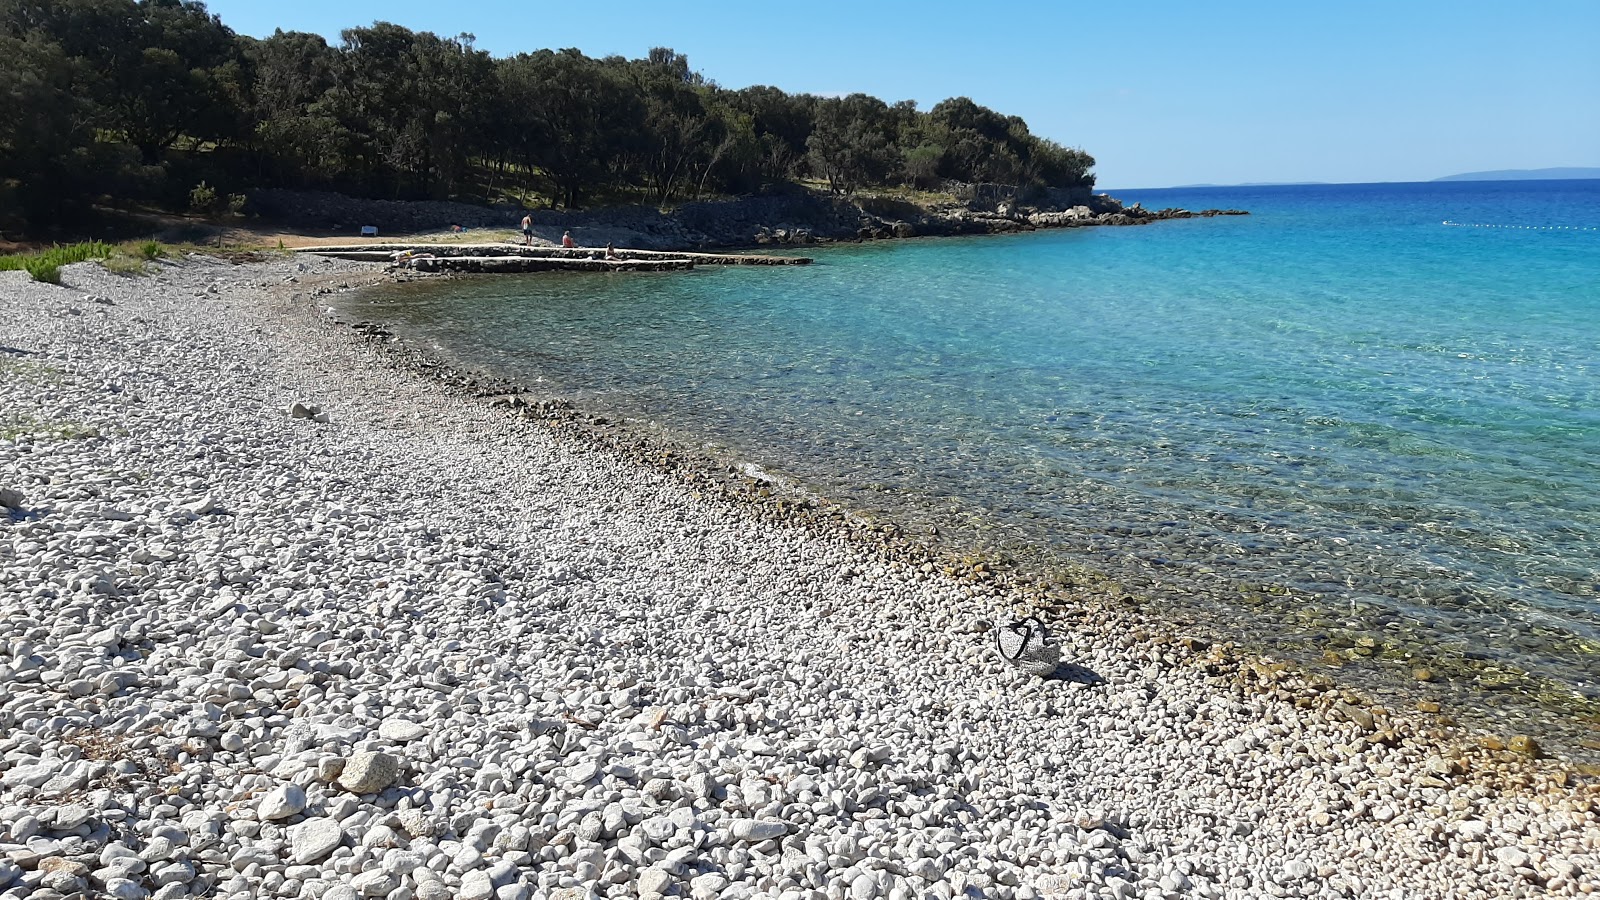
column 1523, row 227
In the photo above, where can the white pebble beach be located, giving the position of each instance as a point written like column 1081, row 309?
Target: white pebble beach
column 428, row 648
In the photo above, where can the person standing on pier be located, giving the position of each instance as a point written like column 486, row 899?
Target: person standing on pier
column 527, row 230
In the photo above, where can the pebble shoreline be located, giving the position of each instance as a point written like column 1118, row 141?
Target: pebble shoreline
column 431, row 648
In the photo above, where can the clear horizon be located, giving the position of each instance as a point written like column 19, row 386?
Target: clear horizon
column 1163, row 94
column 1216, row 184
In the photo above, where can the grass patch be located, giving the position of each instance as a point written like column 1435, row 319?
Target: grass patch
column 125, row 265
column 25, row 426
column 46, row 264
column 910, row 195
column 234, row 253
column 40, row 373
column 131, row 258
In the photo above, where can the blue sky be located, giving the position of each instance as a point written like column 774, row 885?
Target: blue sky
column 1161, row 93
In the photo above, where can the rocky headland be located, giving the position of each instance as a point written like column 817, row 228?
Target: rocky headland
column 289, row 612
column 788, row 216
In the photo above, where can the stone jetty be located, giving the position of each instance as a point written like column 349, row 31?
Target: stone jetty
column 517, row 258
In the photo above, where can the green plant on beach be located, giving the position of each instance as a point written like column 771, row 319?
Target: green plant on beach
column 125, row 265
column 33, row 371
column 134, row 257
column 46, row 265
column 26, row 426
column 43, row 270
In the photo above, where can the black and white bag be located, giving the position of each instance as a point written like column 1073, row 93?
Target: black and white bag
column 1026, row 644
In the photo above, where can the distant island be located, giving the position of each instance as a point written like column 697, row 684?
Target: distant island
column 1564, row 172
column 1250, row 184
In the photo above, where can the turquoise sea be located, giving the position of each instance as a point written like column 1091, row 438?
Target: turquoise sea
column 1362, row 423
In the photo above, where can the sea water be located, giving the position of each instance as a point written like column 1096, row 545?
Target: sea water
column 1361, row 424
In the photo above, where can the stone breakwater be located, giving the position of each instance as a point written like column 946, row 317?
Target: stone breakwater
column 436, row 647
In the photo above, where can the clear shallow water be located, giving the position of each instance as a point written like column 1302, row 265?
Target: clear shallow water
column 1392, row 422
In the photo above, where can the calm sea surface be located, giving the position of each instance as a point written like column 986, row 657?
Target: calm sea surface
column 1339, row 426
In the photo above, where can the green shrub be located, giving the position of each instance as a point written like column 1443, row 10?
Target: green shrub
column 236, row 204
column 203, row 199
column 151, row 250
column 43, row 269
column 75, row 253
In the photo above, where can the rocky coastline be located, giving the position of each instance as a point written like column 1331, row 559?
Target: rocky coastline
column 296, row 610
column 792, row 216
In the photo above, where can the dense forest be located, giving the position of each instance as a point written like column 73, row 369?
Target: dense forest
column 157, row 104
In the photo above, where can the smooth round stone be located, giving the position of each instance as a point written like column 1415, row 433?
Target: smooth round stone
column 64, row 882
column 403, row 862
column 172, row 873
column 430, row 890
column 125, row 889
column 314, row 839
column 476, row 885
column 708, row 885
column 375, row 883
column 758, row 829
column 282, row 802
column 401, row 730
column 71, row 816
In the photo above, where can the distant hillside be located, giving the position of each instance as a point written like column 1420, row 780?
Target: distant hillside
column 1526, row 174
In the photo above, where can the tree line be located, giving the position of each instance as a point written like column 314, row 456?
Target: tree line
column 143, row 101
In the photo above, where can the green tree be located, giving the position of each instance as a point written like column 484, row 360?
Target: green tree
column 921, row 164
column 1059, row 166
column 47, row 135
column 678, row 132
column 291, row 72
column 576, row 118
column 412, row 104
column 141, row 100
column 733, row 158
column 157, row 69
column 852, row 142
column 782, row 124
